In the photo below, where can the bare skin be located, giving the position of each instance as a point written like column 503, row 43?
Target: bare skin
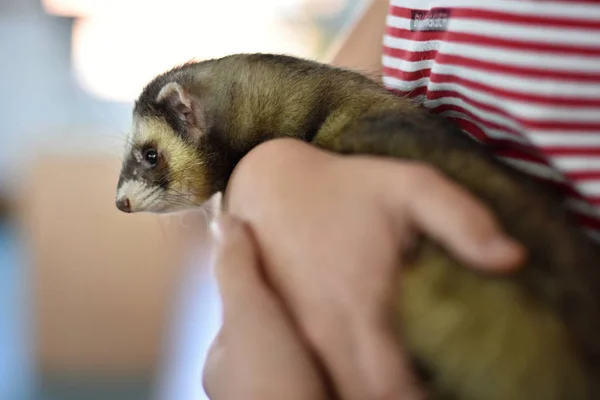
column 258, row 355
column 330, row 230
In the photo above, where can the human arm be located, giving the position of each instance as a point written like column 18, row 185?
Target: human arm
column 360, row 47
column 331, row 229
column 258, row 354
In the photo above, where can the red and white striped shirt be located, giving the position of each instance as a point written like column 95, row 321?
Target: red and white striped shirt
column 521, row 76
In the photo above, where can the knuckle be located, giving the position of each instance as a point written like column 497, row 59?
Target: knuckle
column 213, row 364
column 422, row 175
column 323, row 326
column 259, row 171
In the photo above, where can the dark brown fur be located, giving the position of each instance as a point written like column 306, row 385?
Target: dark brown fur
column 551, row 305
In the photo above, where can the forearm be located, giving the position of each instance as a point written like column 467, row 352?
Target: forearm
column 360, row 48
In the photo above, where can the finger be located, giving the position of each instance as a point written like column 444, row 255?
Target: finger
column 384, row 365
column 451, row 215
column 245, row 297
column 214, row 366
column 367, row 362
column 235, row 261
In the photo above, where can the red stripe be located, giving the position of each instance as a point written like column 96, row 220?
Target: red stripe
column 529, row 124
column 571, row 151
column 529, row 72
column 452, row 107
column 583, row 175
column 488, row 41
column 522, row 153
column 488, row 124
column 566, row 188
column 448, row 59
column 470, row 127
column 506, row 148
column 498, row 16
column 586, row 220
column 512, row 95
column 468, row 116
column 406, row 76
column 451, row 94
column 548, row 126
column 495, row 90
column 409, row 55
column 502, row 147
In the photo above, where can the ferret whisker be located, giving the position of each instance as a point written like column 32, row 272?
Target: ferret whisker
column 182, row 195
column 210, row 212
column 207, row 218
column 151, row 193
column 177, row 200
column 162, row 230
column 123, row 138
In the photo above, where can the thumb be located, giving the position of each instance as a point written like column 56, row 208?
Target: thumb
column 237, row 267
column 463, row 224
column 385, row 365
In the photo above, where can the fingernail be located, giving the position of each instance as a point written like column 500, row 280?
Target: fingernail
column 222, row 226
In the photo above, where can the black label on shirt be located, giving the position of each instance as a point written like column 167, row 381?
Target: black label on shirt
column 434, row 20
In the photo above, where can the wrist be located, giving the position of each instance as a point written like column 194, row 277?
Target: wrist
column 275, row 164
column 287, row 152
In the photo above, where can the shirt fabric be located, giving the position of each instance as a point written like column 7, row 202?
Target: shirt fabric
column 522, row 77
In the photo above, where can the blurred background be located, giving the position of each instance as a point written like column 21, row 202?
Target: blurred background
column 96, row 304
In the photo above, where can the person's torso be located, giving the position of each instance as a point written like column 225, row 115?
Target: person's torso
column 523, row 77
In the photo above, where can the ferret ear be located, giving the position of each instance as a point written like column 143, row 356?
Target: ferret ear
column 178, row 100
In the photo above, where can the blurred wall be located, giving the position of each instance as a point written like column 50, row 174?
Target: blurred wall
column 95, row 303
column 40, row 94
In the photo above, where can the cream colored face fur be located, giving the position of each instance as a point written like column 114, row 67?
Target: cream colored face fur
column 161, row 173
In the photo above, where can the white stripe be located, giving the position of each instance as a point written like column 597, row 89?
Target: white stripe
column 517, row 84
column 398, row 22
column 514, row 57
column 492, row 133
column 588, row 188
column 565, row 9
column 577, row 163
column 524, row 110
column 583, row 208
column 484, row 115
column 420, row 99
column 506, row 30
column 404, row 86
column 412, row 66
column 403, row 65
column 570, row 139
column 534, row 169
column 409, row 45
column 593, row 234
column 535, row 137
column 522, row 58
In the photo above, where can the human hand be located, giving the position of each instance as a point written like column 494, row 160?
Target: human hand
column 257, row 353
column 332, row 228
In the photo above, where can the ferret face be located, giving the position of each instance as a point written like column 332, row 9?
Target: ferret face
column 161, row 172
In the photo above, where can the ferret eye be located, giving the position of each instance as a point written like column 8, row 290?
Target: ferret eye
column 151, row 156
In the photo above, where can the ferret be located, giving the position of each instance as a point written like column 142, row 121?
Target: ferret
column 530, row 335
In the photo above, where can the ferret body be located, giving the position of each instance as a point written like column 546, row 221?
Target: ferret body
column 527, row 336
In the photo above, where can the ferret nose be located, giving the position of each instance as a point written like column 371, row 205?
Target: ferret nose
column 123, row 204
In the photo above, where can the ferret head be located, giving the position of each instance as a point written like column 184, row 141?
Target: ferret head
column 163, row 169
